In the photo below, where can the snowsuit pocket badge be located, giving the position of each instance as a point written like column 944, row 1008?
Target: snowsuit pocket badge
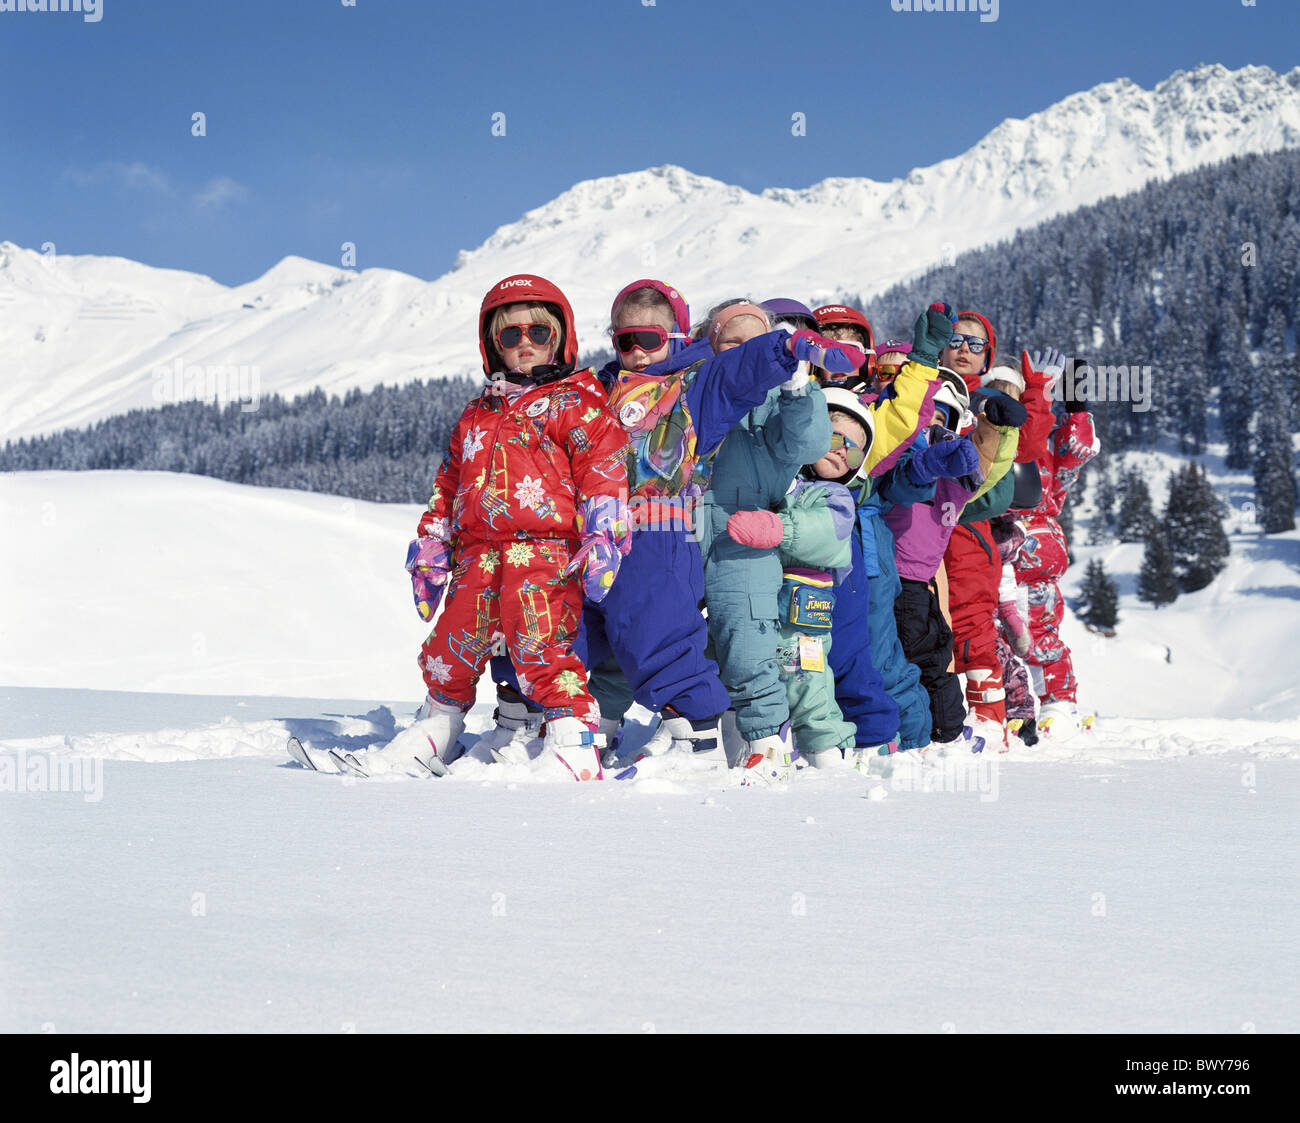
column 807, row 601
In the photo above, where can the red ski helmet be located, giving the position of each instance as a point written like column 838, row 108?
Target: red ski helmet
column 993, row 339
column 526, row 288
column 829, row 314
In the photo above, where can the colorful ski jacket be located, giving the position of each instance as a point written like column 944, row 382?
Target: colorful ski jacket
column 1071, row 445
column 520, row 468
column 675, row 422
column 923, row 526
column 818, row 518
column 899, row 414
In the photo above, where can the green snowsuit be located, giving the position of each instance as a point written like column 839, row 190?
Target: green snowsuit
column 818, row 519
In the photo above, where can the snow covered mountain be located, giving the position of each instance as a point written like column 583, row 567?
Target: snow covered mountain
column 86, row 337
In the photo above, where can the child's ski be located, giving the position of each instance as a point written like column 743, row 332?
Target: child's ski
column 346, row 763
column 313, row 759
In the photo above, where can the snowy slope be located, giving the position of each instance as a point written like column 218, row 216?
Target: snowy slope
column 83, row 337
column 163, row 868
column 159, row 582
column 154, row 581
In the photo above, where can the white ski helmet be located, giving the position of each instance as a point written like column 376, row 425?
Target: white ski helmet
column 1004, row 374
column 953, row 395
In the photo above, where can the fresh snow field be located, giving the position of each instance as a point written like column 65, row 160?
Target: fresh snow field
column 165, row 868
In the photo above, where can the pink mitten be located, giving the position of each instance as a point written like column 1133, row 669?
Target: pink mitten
column 760, row 529
column 1016, row 627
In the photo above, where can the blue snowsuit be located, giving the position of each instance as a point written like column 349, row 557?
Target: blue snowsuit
column 752, row 471
column 902, row 679
column 859, row 686
column 650, row 620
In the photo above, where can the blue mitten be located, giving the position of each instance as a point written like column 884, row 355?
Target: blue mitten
column 947, row 460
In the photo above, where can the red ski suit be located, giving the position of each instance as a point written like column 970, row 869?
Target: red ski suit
column 1045, row 555
column 506, row 499
column 974, row 569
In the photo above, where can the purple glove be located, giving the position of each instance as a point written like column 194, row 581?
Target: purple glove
column 760, row 529
column 599, row 560
column 605, row 527
column 829, row 354
column 428, row 561
column 947, row 460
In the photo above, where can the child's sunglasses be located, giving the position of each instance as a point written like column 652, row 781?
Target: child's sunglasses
column 974, row 342
column 638, row 338
column 854, row 454
column 887, row 372
column 512, row 335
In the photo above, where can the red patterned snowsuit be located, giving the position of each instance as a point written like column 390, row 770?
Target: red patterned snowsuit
column 506, row 498
column 1044, row 557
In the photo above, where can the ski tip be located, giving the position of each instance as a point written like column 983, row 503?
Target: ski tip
column 348, row 764
column 299, row 755
column 433, row 766
column 627, row 773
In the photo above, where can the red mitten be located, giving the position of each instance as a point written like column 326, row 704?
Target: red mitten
column 759, row 529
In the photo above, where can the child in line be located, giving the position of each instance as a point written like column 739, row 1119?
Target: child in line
column 892, row 423
column 527, row 514
column 900, row 487
column 971, row 561
column 676, row 409
column 952, row 471
column 752, row 471
column 1043, row 559
column 818, row 519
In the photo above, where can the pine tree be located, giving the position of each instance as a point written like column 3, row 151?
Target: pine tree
column 1275, row 491
column 1103, row 520
column 1100, row 596
column 1157, row 584
column 1135, row 514
column 1193, row 525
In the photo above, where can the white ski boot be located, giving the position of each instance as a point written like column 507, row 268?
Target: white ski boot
column 1058, row 721
column 695, row 745
column 832, row 760
column 425, row 748
column 516, row 725
column 611, row 729
column 866, row 758
column 768, row 760
column 570, row 745
column 981, row 734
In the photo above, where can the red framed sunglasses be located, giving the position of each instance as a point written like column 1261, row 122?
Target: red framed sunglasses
column 649, row 337
column 512, row 335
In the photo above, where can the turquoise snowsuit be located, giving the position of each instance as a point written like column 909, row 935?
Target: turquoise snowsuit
column 819, row 519
column 760, row 457
column 902, row 679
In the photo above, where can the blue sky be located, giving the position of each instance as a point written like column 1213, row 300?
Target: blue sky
column 372, row 123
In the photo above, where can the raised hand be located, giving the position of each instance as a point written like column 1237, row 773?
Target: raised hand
column 932, row 333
